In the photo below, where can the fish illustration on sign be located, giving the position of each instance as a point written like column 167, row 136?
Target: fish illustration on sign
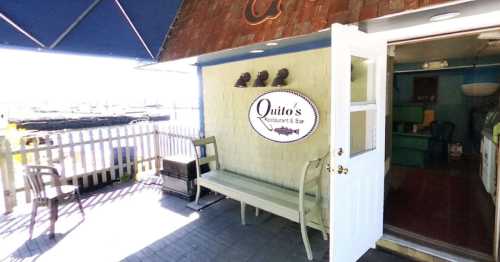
column 286, row 131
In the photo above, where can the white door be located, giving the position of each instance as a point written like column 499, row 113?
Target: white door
column 357, row 142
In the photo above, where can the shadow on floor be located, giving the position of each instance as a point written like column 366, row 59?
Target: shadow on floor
column 136, row 222
column 34, row 248
column 217, row 235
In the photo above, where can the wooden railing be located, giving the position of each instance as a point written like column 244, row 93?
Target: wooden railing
column 91, row 157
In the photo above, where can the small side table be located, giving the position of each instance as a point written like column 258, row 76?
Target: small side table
column 179, row 176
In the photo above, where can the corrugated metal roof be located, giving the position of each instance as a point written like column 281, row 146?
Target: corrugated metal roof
column 104, row 30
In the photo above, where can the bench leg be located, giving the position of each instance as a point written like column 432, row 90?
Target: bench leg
column 243, row 205
column 322, row 225
column 257, row 211
column 305, row 238
column 197, row 193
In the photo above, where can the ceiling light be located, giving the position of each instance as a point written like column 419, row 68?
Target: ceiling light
column 257, row 51
column 272, row 44
column 433, row 65
column 444, row 16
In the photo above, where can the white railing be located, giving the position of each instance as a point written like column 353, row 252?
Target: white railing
column 90, row 157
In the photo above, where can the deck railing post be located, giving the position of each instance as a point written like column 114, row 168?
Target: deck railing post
column 156, row 142
column 24, row 162
column 7, row 174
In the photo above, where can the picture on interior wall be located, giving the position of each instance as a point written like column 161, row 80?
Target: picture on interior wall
column 283, row 116
column 425, row 89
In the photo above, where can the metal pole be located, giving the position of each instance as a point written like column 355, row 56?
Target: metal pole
column 133, row 28
column 22, row 31
column 75, row 23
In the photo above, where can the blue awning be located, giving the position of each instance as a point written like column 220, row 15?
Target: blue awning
column 123, row 28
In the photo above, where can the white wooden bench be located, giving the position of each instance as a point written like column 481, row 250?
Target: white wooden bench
column 293, row 205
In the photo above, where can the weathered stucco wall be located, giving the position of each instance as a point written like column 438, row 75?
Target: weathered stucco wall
column 244, row 151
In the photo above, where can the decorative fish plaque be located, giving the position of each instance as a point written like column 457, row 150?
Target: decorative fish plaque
column 283, row 116
column 273, row 11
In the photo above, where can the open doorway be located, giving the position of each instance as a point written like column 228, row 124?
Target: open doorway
column 441, row 185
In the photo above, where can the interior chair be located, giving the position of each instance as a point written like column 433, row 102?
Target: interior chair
column 448, row 129
column 50, row 196
column 442, row 135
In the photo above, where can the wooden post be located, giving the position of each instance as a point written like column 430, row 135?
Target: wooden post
column 143, row 155
column 62, row 158
column 119, row 153
column 103, row 158
column 112, row 168
column 24, row 162
column 156, row 141
column 93, row 155
column 136, row 151
column 127, row 151
column 175, row 112
column 83, row 159
column 73, row 159
column 149, row 148
column 7, row 175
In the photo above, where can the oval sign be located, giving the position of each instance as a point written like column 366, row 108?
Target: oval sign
column 283, row 116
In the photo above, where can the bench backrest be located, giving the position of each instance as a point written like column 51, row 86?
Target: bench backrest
column 204, row 142
column 311, row 179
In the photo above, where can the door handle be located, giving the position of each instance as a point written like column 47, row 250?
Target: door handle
column 342, row 170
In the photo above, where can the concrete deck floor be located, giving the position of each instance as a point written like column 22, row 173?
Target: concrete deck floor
column 136, row 222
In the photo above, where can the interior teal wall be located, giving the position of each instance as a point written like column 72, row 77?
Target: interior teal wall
column 451, row 104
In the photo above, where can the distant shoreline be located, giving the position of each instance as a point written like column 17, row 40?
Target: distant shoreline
column 82, row 122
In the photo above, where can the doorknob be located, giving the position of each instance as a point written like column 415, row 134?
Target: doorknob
column 342, row 170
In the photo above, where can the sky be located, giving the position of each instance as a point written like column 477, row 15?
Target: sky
column 43, row 79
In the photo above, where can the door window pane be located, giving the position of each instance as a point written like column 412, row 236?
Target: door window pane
column 362, row 80
column 363, row 131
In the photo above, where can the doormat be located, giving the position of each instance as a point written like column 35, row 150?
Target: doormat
column 205, row 201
